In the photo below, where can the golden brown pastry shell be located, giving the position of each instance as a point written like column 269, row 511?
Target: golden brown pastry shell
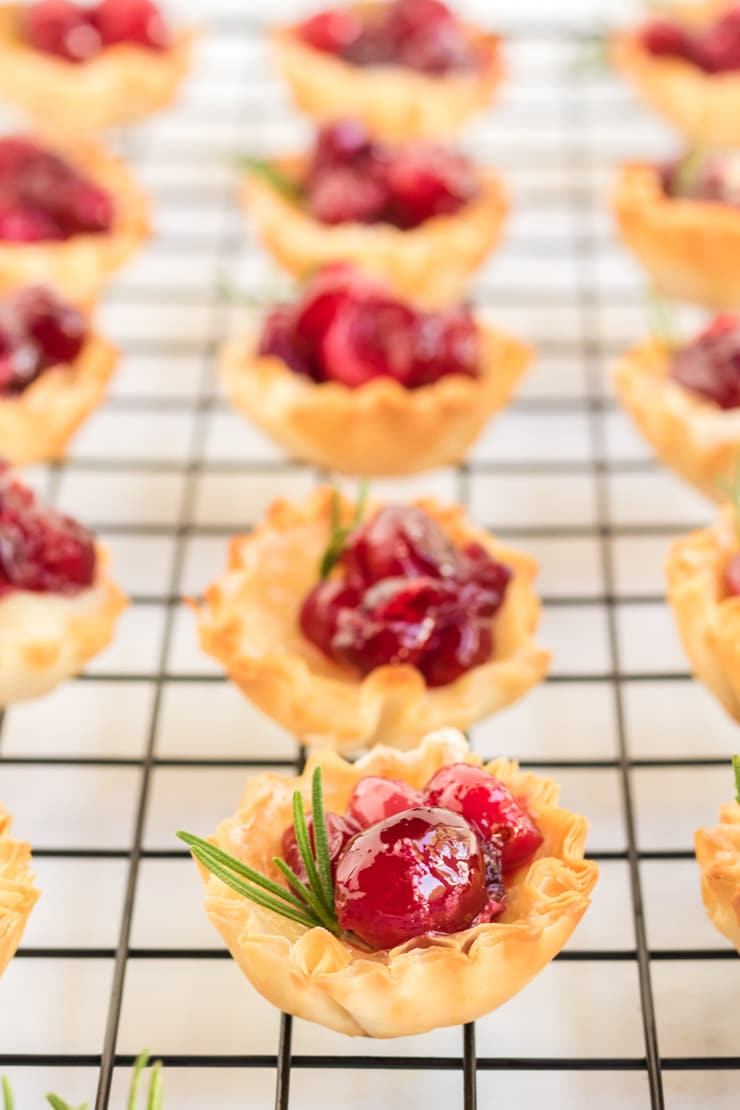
column 718, row 855
column 690, row 248
column 393, row 102
column 37, row 425
column 80, row 266
column 704, row 107
column 421, row 985
column 249, row 623
column 380, row 428
column 694, row 436
column 432, row 263
column 18, row 895
column 121, row 85
column 708, row 619
column 46, row 638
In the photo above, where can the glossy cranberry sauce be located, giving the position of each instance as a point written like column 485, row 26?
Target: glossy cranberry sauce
column 424, row 35
column 424, row 862
column 44, row 197
column 41, row 550
column 352, row 179
column 78, row 33
column 404, row 594
column 37, row 331
column 709, row 365
column 714, row 48
column 349, row 329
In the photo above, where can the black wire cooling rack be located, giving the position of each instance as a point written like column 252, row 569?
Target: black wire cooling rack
column 640, row 1010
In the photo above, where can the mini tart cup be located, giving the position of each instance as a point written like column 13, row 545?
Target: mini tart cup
column 122, row 84
column 18, row 895
column 36, row 425
column 80, row 266
column 691, row 248
column 46, row 638
column 380, row 428
column 695, row 437
column 704, row 107
column 424, row 984
column 432, row 263
column 718, row 855
column 708, row 619
column 393, row 102
column 249, row 621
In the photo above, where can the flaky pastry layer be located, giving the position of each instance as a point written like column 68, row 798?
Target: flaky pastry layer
column 37, row 425
column 708, row 618
column 393, row 102
column 249, row 621
column 80, row 266
column 18, row 895
column 45, row 638
column 380, row 428
column 432, row 263
column 718, row 854
column 122, row 84
column 705, row 107
column 690, row 248
column 421, row 985
column 695, row 437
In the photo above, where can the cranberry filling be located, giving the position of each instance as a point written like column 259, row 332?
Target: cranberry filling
column 417, row 34
column 710, row 365
column 347, row 329
column 407, row 595
column 78, row 34
column 374, row 799
column 352, row 179
column 41, row 550
column 714, row 49
column 713, row 176
column 37, row 331
column 339, row 832
column 43, row 197
column 732, row 576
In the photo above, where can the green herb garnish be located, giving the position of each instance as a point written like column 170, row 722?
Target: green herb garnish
column 288, row 186
column 310, row 904
column 661, row 319
column 58, row 1103
column 688, row 172
column 736, row 769
column 341, row 533
column 154, row 1098
column 731, row 490
column 8, row 1100
column 592, row 54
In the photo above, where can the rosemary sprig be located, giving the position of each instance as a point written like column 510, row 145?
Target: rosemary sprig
column 8, row 1100
column 686, row 176
column 592, row 54
column 731, row 490
column 661, row 319
column 288, row 186
column 58, row 1103
column 341, row 533
column 310, row 904
column 736, row 769
column 155, row 1095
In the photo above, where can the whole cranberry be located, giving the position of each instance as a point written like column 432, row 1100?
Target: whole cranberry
column 414, row 874
column 339, row 832
column 370, row 338
column 342, row 143
column 663, row 38
column 400, row 541
column 375, row 799
column 718, row 49
column 41, row 550
column 488, row 578
column 58, row 329
column 345, row 194
column 278, row 339
column 139, row 22
column 22, row 223
column 732, row 576
column 332, row 32
column 429, row 38
column 490, row 807
column 710, row 365
column 63, row 29
column 320, row 611
column 448, row 342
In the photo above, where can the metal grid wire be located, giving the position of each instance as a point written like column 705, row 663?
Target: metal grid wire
column 640, row 1009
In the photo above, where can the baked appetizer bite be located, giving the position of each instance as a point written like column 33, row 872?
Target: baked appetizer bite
column 685, row 399
column 718, row 856
column 689, row 71
column 424, row 890
column 18, row 895
column 78, row 69
column 58, row 605
column 69, row 216
column 54, row 370
column 682, row 220
column 421, row 217
column 408, row 69
column 703, row 572
column 355, row 380
column 352, row 623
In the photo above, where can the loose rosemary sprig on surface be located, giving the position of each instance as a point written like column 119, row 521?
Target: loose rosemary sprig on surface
column 154, row 1097
column 736, row 769
column 341, row 533
column 309, row 904
column 290, row 188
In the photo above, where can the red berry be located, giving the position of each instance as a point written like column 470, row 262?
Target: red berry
column 448, row 342
column 429, row 38
column 400, row 541
column 21, row 223
column 665, row 39
column 375, row 799
column 370, row 338
column 344, row 194
column 37, row 331
column 62, row 28
column 419, row 872
column 139, row 22
column 718, row 49
column 490, row 807
column 710, row 365
column 339, row 832
column 333, row 31
column 321, row 608
column 732, row 576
